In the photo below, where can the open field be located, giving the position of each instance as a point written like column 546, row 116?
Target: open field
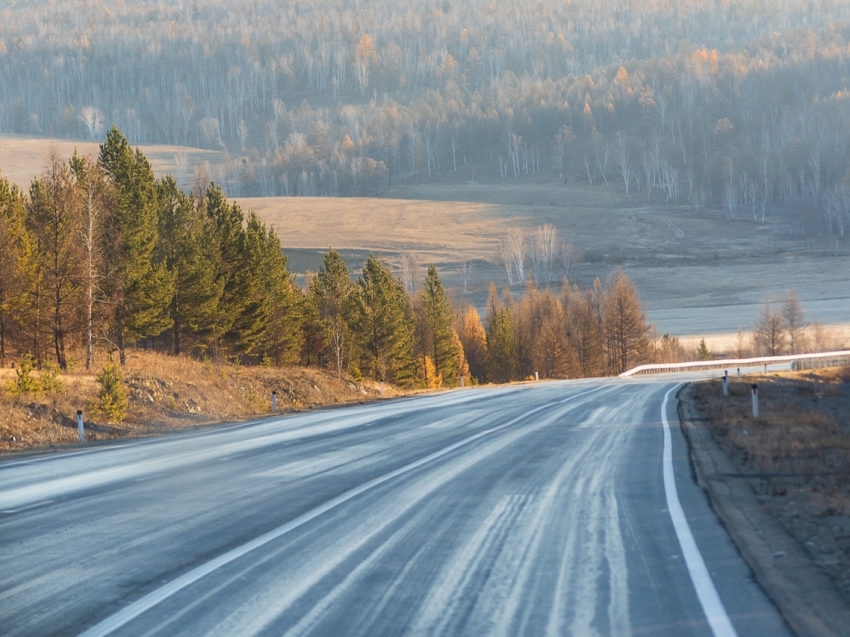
column 698, row 274
column 22, row 158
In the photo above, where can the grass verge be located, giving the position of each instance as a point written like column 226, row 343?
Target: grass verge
column 166, row 393
column 796, row 455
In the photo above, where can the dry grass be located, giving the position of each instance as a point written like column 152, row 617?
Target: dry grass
column 448, row 231
column 803, row 428
column 797, row 454
column 167, row 393
column 22, row 158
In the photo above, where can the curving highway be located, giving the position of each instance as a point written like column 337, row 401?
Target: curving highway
column 564, row 508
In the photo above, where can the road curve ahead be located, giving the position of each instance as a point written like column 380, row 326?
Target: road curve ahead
column 561, row 508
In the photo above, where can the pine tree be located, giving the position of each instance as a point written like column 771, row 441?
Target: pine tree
column 196, row 291
column 254, row 277
column 281, row 336
column 138, row 288
column 112, row 398
column 330, row 293
column 702, row 351
column 18, row 269
column 501, row 349
column 439, row 334
column 225, row 247
column 384, row 325
column 313, row 340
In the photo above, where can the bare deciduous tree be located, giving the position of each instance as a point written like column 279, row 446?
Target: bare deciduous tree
column 465, row 273
column 544, row 251
column 409, row 264
column 93, row 119
column 515, row 247
column 570, row 257
column 795, row 322
column 210, row 131
column 769, row 330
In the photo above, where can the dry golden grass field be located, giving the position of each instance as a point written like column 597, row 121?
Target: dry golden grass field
column 167, row 393
column 22, row 158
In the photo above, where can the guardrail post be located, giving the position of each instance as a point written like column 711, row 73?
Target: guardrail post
column 274, row 402
column 80, row 427
column 755, row 389
column 726, row 383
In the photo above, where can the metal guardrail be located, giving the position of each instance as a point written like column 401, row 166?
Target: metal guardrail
column 842, row 358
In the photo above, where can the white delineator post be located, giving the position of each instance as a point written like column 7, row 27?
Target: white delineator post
column 461, row 380
column 726, row 383
column 274, row 402
column 536, row 375
column 80, row 429
column 755, row 389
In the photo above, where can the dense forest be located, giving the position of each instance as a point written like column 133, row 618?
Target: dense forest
column 100, row 256
column 734, row 106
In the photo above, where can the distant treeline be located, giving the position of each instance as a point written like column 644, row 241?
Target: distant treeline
column 738, row 107
column 100, row 256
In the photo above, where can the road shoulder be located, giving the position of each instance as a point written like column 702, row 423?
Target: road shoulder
column 807, row 599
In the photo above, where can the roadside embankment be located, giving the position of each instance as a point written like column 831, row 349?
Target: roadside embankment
column 167, row 393
column 781, row 485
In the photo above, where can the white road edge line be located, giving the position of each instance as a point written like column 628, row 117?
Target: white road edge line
column 713, row 608
column 130, row 612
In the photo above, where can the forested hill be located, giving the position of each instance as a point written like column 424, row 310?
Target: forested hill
column 740, row 106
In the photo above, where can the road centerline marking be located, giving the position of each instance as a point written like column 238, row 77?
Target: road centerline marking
column 115, row 621
column 710, row 601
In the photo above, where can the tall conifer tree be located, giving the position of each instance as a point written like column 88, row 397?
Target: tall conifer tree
column 330, row 294
column 18, row 270
column 281, row 335
column 439, row 333
column 384, row 325
column 225, row 247
column 501, row 350
column 196, row 291
column 138, row 288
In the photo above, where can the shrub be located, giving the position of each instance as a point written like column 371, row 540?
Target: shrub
column 49, row 379
column 24, row 381
column 111, row 402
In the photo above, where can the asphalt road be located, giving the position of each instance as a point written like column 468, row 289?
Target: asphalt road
column 541, row 509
